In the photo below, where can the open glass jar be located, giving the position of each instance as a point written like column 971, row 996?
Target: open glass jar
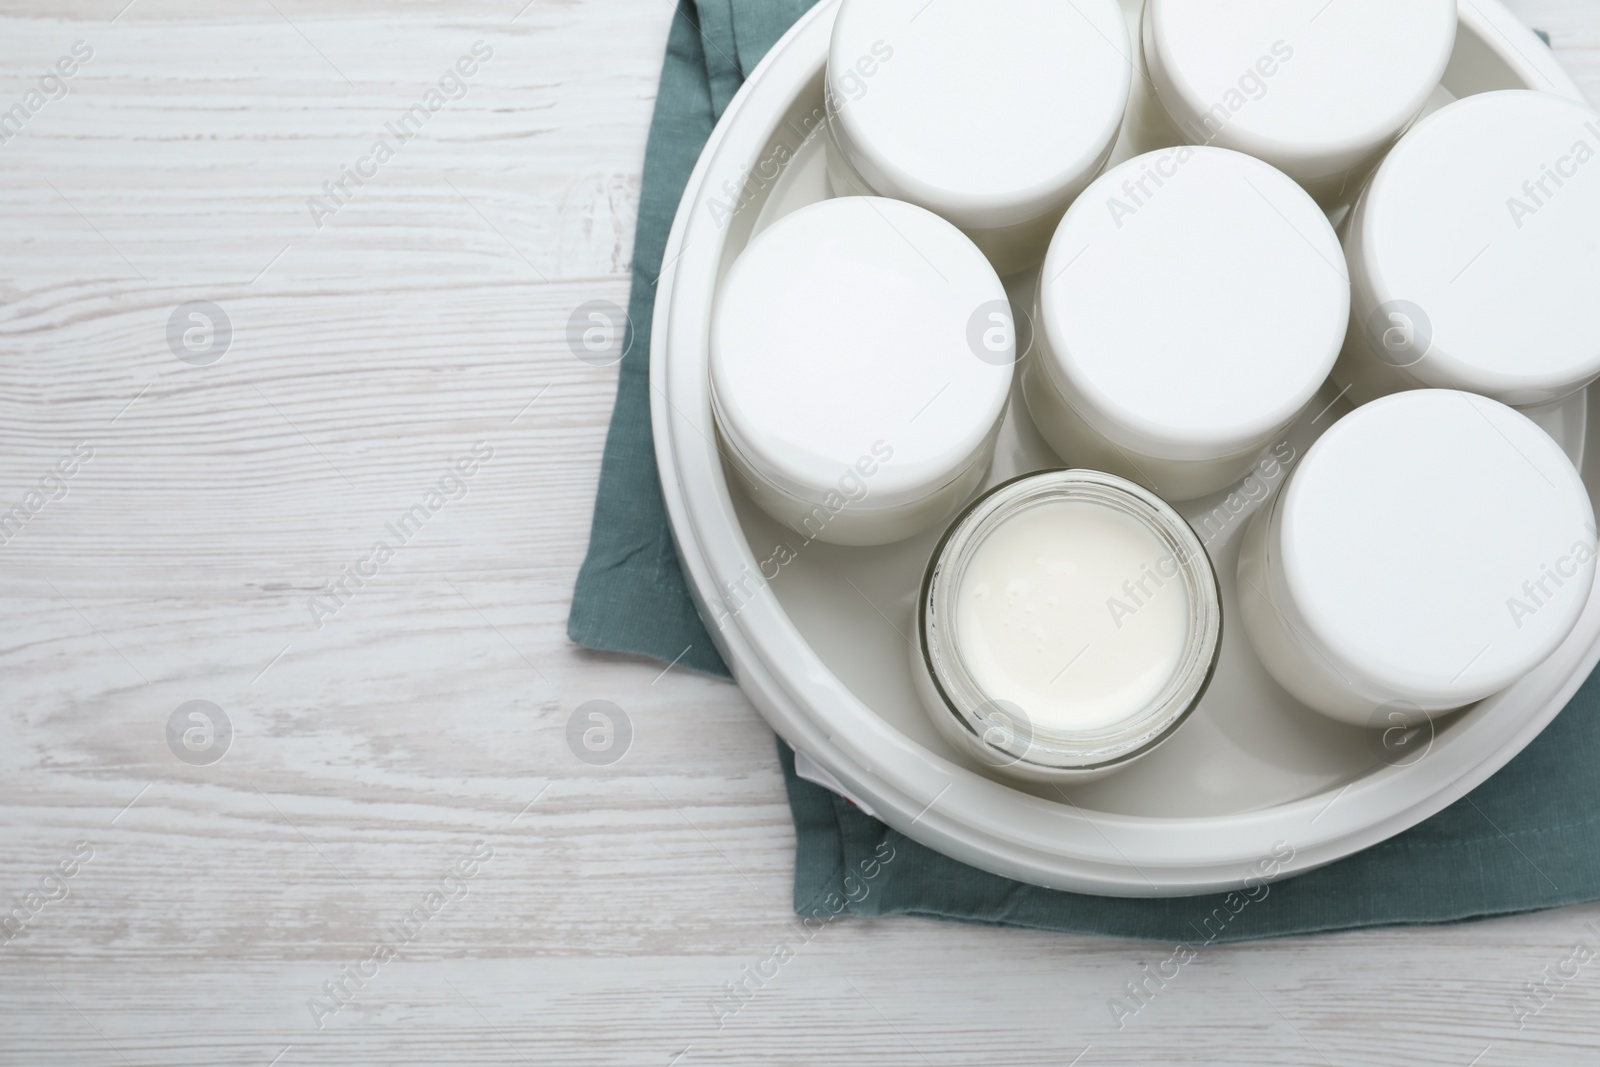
column 1069, row 621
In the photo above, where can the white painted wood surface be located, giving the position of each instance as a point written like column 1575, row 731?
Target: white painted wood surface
column 429, row 714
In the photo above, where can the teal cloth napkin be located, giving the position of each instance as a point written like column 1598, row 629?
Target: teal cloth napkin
column 1528, row 838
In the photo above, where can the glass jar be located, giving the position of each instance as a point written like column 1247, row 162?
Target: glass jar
column 1431, row 548
column 1473, row 259
column 1069, row 621
column 857, row 381
column 1192, row 303
column 994, row 116
column 1319, row 91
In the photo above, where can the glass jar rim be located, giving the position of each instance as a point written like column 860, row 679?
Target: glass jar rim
column 999, row 728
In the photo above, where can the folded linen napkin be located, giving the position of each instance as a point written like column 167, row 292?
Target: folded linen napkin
column 1528, row 838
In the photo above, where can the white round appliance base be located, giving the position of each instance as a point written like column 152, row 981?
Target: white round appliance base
column 817, row 634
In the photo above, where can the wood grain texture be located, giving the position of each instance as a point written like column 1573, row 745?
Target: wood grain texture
column 375, row 748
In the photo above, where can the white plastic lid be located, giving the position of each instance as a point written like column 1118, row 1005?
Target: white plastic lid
column 1486, row 219
column 990, row 114
column 1313, row 87
column 1192, row 302
column 1437, row 544
column 859, row 331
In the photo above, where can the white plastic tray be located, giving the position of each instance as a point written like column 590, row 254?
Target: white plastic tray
column 819, row 644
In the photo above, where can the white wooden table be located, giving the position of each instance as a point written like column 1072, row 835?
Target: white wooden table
column 376, row 340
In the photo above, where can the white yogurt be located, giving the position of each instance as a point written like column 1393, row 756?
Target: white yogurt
column 1074, row 612
column 1069, row 622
